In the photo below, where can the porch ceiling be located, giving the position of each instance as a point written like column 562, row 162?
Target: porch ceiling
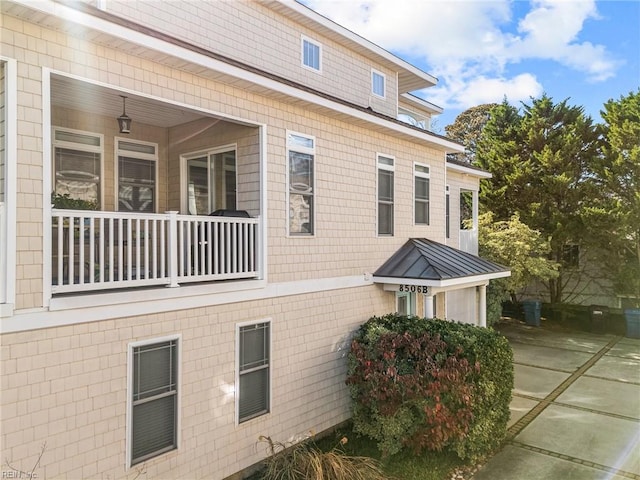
column 98, row 100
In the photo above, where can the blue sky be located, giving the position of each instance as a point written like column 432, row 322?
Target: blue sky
column 483, row 50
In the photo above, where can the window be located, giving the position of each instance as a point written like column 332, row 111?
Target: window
column 301, row 153
column 421, row 194
column 571, row 256
column 378, row 83
column 77, row 164
column 406, row 303
column 311, row 54
column 211, row 181
column 447, row 212
column 385, row 195
column 136, row 176
column 254, row 352
column 466, row 210
column 154, row 398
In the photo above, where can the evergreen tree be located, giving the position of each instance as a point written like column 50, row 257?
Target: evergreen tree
column 540, row 159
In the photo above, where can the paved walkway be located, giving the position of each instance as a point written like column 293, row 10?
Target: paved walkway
column 575, row 413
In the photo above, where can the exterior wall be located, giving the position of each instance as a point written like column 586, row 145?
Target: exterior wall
column 345, row 164
column 585, row 285
column 67, row 386
column 462, row 304
column 457, row 181
column 255, row 34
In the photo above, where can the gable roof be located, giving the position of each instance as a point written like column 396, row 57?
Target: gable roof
column 435, row 264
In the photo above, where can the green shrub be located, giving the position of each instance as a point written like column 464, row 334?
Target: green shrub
column 430, row 384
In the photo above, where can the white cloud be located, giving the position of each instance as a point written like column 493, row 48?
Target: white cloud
column 468, row 44
column 479, row 90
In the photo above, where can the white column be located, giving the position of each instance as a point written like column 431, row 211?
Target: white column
column 482, row 306
column 172, row 245
column 428, row 306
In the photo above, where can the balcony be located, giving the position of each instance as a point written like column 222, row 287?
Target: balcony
column 469, row 241
column 99, row 250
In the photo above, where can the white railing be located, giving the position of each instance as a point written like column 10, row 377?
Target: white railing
column 469, row 241
column 106, row 250
column 3, row 254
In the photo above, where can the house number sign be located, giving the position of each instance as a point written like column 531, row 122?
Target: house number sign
column 414, row 289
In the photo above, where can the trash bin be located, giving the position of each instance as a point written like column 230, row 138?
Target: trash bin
column 532, row 309
column 599, row 316
column 632, row 316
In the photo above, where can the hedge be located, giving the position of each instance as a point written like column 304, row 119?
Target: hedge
column 430, row 384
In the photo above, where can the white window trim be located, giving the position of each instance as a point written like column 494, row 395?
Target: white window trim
column 304, row 38
column 375, row 72
column 138, row 156
column 184, row 158
column 237, row 369
column 390, row 168
column 310, row 151
column 81, row 147
column 130, row 348
column 428, row 177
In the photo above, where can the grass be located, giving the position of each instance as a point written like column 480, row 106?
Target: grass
column 402, row 466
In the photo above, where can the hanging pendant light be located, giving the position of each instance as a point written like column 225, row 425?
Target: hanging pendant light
column 124, row 121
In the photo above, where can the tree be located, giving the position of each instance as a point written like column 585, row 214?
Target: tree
column 540, row 160
column 467, row 129
column 523, row 250
column 617, row 175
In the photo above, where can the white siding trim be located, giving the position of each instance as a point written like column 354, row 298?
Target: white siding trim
column 93, row 308
column 47, row 181
column 468, row 171
column 8, row 250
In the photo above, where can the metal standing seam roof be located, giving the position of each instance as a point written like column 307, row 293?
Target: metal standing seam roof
column 424, row 259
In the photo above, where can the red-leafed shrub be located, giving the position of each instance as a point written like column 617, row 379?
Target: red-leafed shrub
column 422, row 384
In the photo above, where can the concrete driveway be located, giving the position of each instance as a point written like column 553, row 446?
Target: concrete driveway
column 575, row 412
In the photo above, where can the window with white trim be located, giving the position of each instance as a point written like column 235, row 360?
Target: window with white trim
column 154, row 398
column 311, row 54
column 137, row 164
column 378, row 83
column 385, row 195
column 421, row 193
column 406, row 303
column 254, row 378
column 301, row 154
column 77, row 164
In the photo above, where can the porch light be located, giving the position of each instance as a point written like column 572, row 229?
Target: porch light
column 124, row 121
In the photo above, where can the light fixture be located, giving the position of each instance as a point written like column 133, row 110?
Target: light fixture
column 124, row 121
